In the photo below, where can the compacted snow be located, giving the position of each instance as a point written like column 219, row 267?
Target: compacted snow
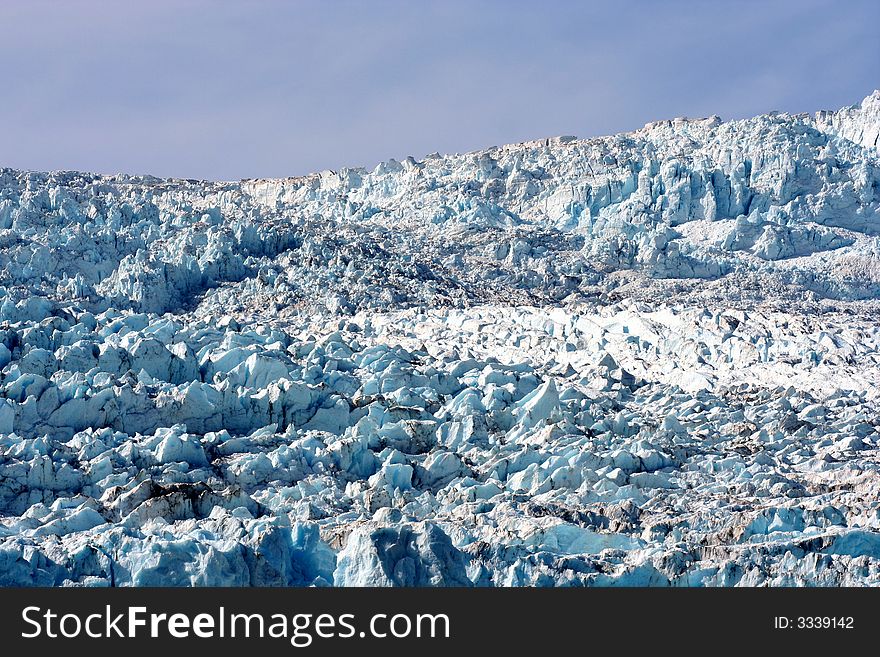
column 647, row 359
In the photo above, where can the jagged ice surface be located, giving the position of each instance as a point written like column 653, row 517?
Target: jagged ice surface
column 647, row 359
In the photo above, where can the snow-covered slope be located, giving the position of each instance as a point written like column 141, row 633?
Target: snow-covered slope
column 643, row 359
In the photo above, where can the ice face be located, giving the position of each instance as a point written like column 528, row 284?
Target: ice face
column 647, row 359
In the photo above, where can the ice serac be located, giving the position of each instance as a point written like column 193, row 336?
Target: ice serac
column 401, row 555
column 649, row 359
column 859, row 124
column 539, row 405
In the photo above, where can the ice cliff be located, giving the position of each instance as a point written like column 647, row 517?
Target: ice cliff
column 646, row 359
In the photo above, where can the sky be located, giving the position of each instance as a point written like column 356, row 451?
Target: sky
column 224, row 90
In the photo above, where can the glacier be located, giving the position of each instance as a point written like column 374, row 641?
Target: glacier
column 648, row 359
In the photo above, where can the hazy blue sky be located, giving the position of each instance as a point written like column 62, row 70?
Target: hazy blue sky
column 226, row 90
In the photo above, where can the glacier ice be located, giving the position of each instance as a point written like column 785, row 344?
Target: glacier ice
column 645, row 359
